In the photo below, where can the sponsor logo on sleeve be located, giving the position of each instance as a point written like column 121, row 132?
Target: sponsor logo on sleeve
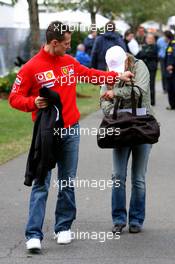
column 18, row 80
column 16, row 84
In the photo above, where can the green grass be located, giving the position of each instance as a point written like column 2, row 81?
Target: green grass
column 16, row 126
column 88, row 105
column 158, row 75
column 15, row 131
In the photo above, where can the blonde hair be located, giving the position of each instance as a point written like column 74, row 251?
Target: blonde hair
column 131, row 62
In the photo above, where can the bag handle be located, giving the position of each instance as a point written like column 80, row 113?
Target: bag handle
column 133, row 101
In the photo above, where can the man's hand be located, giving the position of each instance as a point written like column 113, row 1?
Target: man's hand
column 126, row 76
column 108, row 95
column 41, row 102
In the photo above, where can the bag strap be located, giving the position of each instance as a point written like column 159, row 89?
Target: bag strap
column 133, row 101
column 140, row 91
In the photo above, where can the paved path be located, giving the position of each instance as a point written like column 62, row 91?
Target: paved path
column 156, row 244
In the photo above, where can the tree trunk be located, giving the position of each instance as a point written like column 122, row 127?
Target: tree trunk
column 93, row 17
column 34, row 26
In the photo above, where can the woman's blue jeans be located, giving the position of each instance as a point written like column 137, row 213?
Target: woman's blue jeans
column 65, row 211
column 140, row 155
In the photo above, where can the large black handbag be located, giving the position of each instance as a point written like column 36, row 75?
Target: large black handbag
column 128, row 129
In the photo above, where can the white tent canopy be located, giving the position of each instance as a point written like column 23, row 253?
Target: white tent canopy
column 14, row 17
column 21, row 15
column 151, row 25
column 17, row 17
column 72, row 18
column 122, row 26
column 171, row 21
column 6, row 12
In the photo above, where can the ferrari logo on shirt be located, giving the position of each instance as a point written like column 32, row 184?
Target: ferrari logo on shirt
column 45, row 76
column 67, row 70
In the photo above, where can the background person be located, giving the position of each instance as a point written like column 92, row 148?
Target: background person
column 162, row 46
column 170, row 69
column 132, row 45
column 103, row 42
column 82, row 56
column 118, row 60
column 149, row 54
column 141, row 36
column 89, row 42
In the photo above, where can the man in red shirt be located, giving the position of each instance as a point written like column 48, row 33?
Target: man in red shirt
column 54, row 69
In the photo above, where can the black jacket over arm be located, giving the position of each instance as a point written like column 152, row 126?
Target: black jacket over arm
column 44, row 147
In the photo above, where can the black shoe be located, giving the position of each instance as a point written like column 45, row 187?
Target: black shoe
column 170, row 108
column 134, row 229
column 117, row 229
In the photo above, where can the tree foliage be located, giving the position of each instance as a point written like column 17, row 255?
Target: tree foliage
column 139, row 11
column 135, row 12
column 92, row 6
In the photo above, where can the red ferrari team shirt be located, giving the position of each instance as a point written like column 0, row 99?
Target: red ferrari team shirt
column 59, row 73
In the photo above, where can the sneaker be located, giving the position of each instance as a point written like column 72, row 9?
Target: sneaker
column 33, row 244
column 63, row 237
column 134, row 229
column 117, row 229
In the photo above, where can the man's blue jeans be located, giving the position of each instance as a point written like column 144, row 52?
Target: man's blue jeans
column 65, row 211
column 140, row 154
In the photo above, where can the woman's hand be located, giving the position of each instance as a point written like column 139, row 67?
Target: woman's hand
column 126, row 76
column 108, row 95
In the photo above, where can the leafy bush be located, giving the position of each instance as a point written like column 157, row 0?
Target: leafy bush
column 7, row 82
column 77, row 38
